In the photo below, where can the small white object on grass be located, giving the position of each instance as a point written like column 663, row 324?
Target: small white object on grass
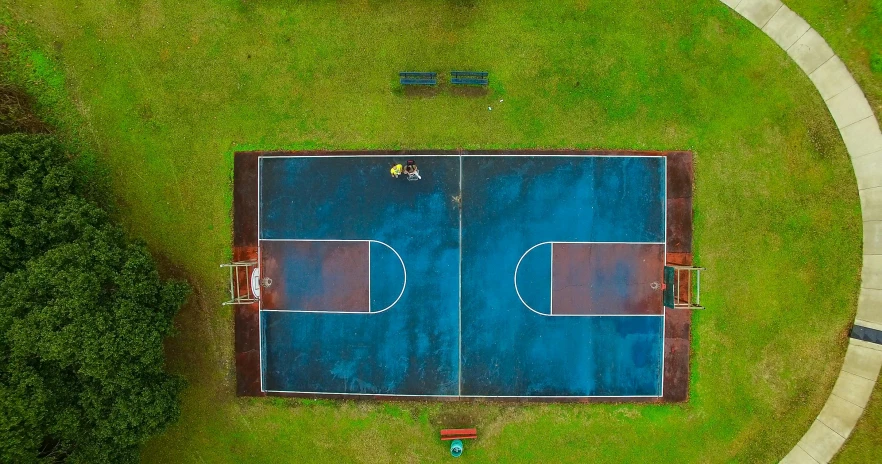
column 489, row 108
column 500, row 101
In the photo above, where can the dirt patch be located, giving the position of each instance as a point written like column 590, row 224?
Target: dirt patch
column 17, row 112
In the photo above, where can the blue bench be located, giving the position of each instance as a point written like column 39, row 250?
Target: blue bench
column 418, row 78
column 469, row 77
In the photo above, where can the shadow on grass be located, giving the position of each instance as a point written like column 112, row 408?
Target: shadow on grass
column 454, row 418
column 470, row 91
column 186, row 351
column 426, row 91
column 419, row 91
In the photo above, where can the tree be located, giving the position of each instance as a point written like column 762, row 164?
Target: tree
column 82, row 319
column 39, row 207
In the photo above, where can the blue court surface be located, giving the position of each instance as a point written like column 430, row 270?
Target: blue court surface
column 491, row 276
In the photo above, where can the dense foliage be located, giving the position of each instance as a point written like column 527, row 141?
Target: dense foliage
column 82, row 319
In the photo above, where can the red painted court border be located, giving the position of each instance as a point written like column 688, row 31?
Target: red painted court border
column 677, row 331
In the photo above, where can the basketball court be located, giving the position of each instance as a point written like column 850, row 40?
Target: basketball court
column 511, row 275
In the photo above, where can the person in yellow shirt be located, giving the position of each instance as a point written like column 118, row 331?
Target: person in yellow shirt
column 396, row 170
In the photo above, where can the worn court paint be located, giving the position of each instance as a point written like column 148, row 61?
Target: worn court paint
column 508, row 205
column 608, row 278
column 411, row 348
column 329, row 276
column 511, row 204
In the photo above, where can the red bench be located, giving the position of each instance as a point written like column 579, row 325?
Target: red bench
column 459, row 434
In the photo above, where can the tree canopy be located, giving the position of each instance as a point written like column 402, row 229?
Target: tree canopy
column 83, row 312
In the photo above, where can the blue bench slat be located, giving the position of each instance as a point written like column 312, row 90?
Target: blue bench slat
column 469, row 77
column 417, row 78
column 469, row 73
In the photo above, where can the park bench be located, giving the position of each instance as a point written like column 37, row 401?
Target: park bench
column 459, row 434
column 418, row 78
column 469, row 77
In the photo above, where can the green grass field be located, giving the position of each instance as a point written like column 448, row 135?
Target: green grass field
column 159, row 95
column 854, row 30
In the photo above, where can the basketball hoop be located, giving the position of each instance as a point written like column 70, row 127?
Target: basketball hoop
column 682, row 286
column 239, row 288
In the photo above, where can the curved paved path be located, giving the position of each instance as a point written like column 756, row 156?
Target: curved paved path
column 863, row 139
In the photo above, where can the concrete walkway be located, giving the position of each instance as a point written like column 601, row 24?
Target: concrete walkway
column 863, row 139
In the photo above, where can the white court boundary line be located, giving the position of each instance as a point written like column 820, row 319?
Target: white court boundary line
column 459, row 302
column 550, row 314
column 392, row 395
column 469, row 155
column 501, row 155
column 665, row 263
column 400, row 294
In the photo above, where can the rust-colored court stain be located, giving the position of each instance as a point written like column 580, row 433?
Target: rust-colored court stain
column 607, row 278
column 323, row 276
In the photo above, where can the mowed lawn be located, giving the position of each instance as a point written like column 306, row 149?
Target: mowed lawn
column 160, row 94
column 854, row 30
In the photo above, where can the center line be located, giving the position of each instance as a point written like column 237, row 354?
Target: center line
column 459, row 388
